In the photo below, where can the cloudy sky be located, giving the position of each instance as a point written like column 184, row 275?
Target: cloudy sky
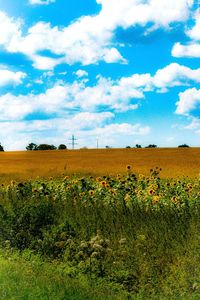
column 120, row 71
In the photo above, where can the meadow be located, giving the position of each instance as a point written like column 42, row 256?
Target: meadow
column 24, row 165
column 124, row 236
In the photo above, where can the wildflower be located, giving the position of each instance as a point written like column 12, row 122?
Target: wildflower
column 98, row 179
column 91, row 193
column 113, row 192
column 103, row 183
column 174, row 199
column 189, row 185
column 151, row 192
column 107, row 186
column 141, row 177
column 156, row 199
column 65, row 178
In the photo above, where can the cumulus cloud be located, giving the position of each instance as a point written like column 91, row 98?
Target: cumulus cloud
column 17, row 134
column 90, row 38
column 165, row 78
column 189, row 101
column 8, row 77
column 117, row 95
column 41, row 2
column 81, row 73
column 12, row 29
column 191, row 49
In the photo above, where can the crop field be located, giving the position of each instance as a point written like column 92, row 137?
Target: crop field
column 30, row 164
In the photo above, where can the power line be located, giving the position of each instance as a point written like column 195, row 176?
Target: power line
column 73, row 139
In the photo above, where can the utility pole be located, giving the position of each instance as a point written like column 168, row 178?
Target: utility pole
column 73, row 139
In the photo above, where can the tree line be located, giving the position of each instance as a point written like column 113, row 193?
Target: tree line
column 34, row 147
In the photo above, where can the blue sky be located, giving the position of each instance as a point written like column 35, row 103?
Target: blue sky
column 120, row 71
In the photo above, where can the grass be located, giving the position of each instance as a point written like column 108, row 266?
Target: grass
column 111, row 237
column 26, row 276
column 175, row 162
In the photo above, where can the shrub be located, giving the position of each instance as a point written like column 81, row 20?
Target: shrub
column 46, row 147
column 62, row 147
column 183, row 146
column 151, row 146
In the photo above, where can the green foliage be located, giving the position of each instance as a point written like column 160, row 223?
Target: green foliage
column 46, row 147
column 31, row 147
column 1, row 148
column 138, row 233
column 62, row 147
column 138, row 146
column 183, row 146
column 151, row 146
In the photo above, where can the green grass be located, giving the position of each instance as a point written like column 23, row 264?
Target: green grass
column 33, row 279
column 119, row 237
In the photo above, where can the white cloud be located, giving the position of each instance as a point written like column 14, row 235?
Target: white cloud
column 169, row 76
column 16, row 135
column 117, row 95
column 9, row 77
column 175, row 75
column 9, row 28
column 194, row 125
column 90, row 38
column 81, row 73
column 189, row 101
column 194, row 32
column 191, row 49
column 121, row 129
column 41, row 2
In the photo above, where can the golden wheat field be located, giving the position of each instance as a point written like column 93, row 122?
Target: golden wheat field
column 22, row 165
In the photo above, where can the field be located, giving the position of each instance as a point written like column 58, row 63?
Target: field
column 100, row 224
column 25, row 165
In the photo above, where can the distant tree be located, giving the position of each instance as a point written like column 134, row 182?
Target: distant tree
column 151, row 146
column 62, row 147
column 107, row 147
column 1, row 147
column 183, row 146
column 46, row 147
column 138, row 146
column 31, row 147
column 128, row 147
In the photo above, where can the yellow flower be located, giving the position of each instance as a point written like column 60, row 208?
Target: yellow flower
column 91, row 193
column 103, row 183
column 174, row 199
column 141, row 177
column 156, row 199
column 98, row 179
column 113, row 192
column 151, row 192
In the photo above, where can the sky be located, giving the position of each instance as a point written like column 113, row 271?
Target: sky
column 123, row 72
